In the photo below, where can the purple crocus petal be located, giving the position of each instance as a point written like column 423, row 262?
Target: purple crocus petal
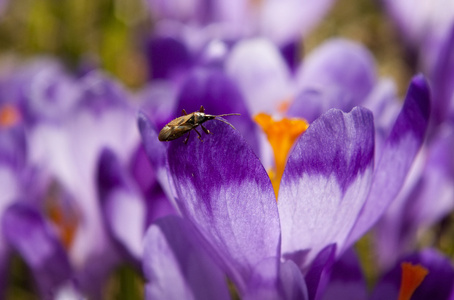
column 180, row 10
column 43, row 91
column 418, row 20
column 292, row 281
column 175, row 265
column 290, row 284
column 408, row 15
column 436, row 285
column 300, row 17
column 318, row 274
column 384, row 104
column 13, row 147
column 123, row 208
column 397, row 156
column 144, row 175
column 225, row 192
column 261, row 74
column 100, row 92
column 443, row 77
column 433, row 197
column 346, row 279
column 291, row 54
column 338, row 74
column 158, row 100
column 326, row 181
column 28, row 233
column 425, row 198
column 219, row 95
column 157, row 153
column 168, row 57
column 141, row 170
column 263, row 283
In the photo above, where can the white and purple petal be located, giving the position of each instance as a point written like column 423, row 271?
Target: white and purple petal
column 326, row 181
column 225, row 192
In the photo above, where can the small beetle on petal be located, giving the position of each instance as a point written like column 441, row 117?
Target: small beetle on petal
column 187, row 122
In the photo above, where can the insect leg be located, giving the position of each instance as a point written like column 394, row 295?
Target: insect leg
column 184, row 112
column 206, row 130
column 187, row 138
column 200, row 136
column 202, row 109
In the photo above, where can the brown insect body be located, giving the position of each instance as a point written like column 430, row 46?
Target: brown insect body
column 184, row 124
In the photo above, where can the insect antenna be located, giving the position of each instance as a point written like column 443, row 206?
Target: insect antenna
column 228, row 115
column 222, row 120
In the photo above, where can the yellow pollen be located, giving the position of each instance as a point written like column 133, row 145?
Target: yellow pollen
column 412, row 277
column 9, row 115
column 281, row 135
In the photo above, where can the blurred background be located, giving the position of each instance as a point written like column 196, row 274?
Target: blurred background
column 112, row 34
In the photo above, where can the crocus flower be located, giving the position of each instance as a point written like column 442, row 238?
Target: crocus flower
column 226, row 194
column 223, row 190
column 101, row 118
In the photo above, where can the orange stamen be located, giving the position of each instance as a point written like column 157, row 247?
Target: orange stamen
column 412, row 277
column 282, row 135
column 9, row 115
column 62, row 215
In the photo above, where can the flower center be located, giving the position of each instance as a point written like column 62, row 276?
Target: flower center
column 281, row 135
column 9, row 115
column 412, row 277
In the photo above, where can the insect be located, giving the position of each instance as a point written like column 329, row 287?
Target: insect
column 187, row 122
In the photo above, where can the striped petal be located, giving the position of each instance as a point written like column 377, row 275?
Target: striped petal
column 226, row 194
column 326, row 181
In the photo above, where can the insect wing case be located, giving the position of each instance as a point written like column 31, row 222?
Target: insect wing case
column 176, row 128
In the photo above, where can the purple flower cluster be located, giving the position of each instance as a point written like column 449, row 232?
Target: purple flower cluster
column 323, row 152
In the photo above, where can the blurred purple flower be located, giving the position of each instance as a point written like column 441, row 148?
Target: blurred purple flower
column 280, row 21
column 201, row 32
column 428, row 28
column 346, row 279
column 69, row 123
